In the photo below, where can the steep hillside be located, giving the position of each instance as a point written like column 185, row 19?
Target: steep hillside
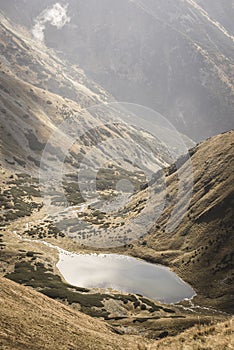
column 222, row 12
column 201, row 247
column 53, row 325
column 216, row 337
column 41, row 323
column 39, row 91
column 174, row 56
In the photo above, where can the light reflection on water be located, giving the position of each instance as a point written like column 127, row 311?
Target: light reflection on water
column 125, row 274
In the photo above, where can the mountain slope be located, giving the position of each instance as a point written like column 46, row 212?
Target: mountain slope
column 173, row 56
column 39, row 92
column 38, row 322
column 216, row 337
column 220, row 11
column 200, row 249
column 40, row 96
column 30, row 320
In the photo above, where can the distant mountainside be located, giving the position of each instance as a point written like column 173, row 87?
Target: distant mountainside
column 174, row 56
column 221, row 11
column 39, row 92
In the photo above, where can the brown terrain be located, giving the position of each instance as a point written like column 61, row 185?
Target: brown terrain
column 39, row 310
column 201, row 248
column 53, row 325
column 41, row 323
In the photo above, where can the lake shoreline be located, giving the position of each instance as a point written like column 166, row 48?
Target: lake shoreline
column 168, row 279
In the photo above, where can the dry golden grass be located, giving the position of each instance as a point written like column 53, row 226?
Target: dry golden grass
column 29, row 320
column 216, row 337
column 200, row 248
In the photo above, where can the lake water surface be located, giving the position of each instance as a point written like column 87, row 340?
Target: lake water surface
column 125, row 274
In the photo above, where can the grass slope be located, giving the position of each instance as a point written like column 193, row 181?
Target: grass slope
column 29, row 320
column 200, row 248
